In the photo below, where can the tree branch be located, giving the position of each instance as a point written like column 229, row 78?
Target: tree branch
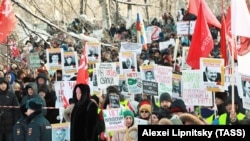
column 131, row 3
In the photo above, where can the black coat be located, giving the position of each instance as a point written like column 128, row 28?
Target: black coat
column 8, row 116
column 84, row 122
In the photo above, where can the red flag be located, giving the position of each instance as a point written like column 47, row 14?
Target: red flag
column 193, row 7
column 223, row 48
column 202, row 41
column 83, row 75
column 7, row 20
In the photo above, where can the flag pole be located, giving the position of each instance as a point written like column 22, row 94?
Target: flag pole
column 232, row 76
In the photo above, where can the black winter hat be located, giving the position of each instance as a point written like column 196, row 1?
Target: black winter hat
column 3, row 80
column 221, row 95
column 34, row 104
column 94, row 97
column 165, row 96
column 178, row 106
column 42, row 75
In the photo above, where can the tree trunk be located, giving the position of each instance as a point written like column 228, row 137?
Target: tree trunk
column 161, row 8
column 105, row 13
column 85, row 7
column 81, row 7
column 117, row 12
column 147, row 14
column 129, row 15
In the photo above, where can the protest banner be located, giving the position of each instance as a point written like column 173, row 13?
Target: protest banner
column 114, row 120
column 128, row 62
column 93, row 50
column 70, row 63
column 153, row 33
column 54, row 58
column 150, row 88
column 34, row 60
column 184, row 65
column 176, row 86
column 134, row 82
column 245, row 82
column 64, row 91
column 147, row 72
column 106, row 75
column 194, row 93
column 131, row 47
column 138, row 121
column 163, row 75
column 185, row 27
column 212, row 72
column 60, row 131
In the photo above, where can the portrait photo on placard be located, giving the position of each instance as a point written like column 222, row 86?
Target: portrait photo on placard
column 114, row 100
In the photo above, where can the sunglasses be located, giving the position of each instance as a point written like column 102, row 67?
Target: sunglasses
column 144, row 111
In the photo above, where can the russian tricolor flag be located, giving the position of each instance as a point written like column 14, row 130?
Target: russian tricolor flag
column 141, row 33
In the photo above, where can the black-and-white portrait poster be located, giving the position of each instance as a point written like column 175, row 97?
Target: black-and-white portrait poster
column 61, row 132
column 114, row 100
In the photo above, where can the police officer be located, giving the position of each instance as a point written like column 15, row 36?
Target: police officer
column 20, row 125
column 38, row 127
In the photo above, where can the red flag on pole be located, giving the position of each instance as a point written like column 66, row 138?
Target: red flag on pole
column 83, row 75
column 7, row 20
column 193, row 7
column 202, row 41
column 223, row 47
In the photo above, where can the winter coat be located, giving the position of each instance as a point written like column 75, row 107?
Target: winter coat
column 8, row 116
column 83, row 125
column 38, row 128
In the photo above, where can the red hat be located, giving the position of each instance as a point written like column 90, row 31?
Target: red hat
column 145, row 105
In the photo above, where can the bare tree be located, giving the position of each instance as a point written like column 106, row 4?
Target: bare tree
column 105, row 13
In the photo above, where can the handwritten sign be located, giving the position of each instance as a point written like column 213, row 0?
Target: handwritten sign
column 106, row 74
column 131, row 47
column 194, row 92
column 185, row 27
column 113, row 119
column 64, row 90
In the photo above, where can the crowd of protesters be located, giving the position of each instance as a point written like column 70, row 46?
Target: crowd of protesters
column 32, row 89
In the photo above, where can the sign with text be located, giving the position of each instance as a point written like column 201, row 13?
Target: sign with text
column 113, row 119
column 152, row 33
column 106, row 74
column 34, row 60
column 194, row 92
column 185, row 27
column 150, row 88
column 163, row 75
column 64, row 91
column 131, row 47
column 134, row 82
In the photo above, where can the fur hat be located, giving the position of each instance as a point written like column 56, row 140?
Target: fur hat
column 145, row 105
column 34, row 104
column 165, row 96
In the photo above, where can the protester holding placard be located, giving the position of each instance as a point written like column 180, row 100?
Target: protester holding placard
column 129, row 122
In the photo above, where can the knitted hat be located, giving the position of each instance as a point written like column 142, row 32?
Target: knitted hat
column 34, row 104
column 159, row 115
column 128, row 113
column 145, row 105
column 165, row 96
column 178, row 106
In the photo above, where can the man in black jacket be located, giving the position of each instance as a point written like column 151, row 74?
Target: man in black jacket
column 8, row 116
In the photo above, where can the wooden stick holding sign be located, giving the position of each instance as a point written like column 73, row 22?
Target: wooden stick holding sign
column 175, row 51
